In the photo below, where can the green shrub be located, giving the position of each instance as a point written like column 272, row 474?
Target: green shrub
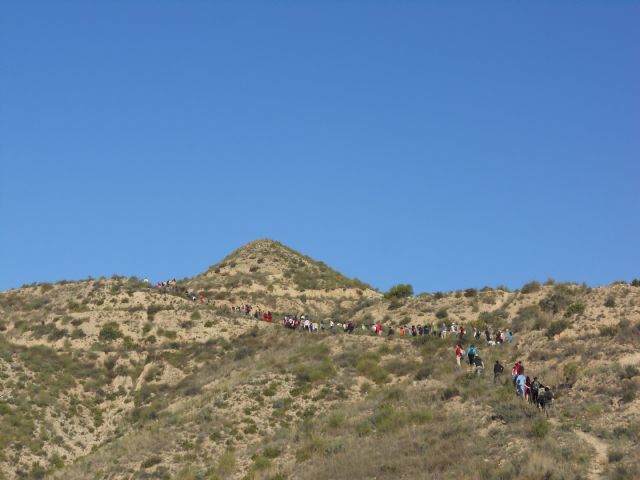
column 442, row 313
column 151, row 461
column 470, row 292
column 615, row 456
column 575, row 309
column 539, row 428
column 196, row 315
column 311, row 373
column 399, row 291
column 554, row 303
column 450, row 392
column 531, row 287
column 608, row 331
column 494, row 317
column 77, row 333
column 170, row 334
column 557, row 327
column 610, row 302
column 272, row 452
column 155, row 308
column 423, row 373
column 394, row 304
column 570, row 371
column 629, row 371
column 109, row 332
column 529, row 317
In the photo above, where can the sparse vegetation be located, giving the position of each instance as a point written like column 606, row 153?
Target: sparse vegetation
column 159, row 396
column 531, row 287
column 556, row 327
column 399, row 291
column 109, row 332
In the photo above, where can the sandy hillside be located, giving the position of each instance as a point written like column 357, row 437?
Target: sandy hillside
column 124, row 380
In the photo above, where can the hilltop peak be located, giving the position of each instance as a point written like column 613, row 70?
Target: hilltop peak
column 269, row 273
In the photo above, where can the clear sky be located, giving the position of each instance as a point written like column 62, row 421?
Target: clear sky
column 443, row 144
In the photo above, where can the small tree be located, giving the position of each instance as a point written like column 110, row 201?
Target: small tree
column 575, row 309
column 400, row 291
column 531, row 287
column 109, row 332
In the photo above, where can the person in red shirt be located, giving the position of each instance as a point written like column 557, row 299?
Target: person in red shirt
column 459, row 355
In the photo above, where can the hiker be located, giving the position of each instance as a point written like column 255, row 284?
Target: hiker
column 521, row 380
column 545, row 401
column 459, row 355
column 401, row 331
column 390, row 331
column 497, row 371
column 509, row 336
column 514, row 372
column 477, row 334
column 461, row 333
column 479, row 365
column 471, row 353
column 535, row 390
column 527, row 389
column 379, row 328
column 487, row 334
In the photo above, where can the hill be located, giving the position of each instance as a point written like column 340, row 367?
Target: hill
column 271, row 276
column 114, row 378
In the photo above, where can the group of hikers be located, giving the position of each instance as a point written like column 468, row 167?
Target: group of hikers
column 172, row 285
column 295, row 321
column 495, row 338
column 169, row 284
column 531, row 390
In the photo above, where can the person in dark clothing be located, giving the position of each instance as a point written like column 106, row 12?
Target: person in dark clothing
column 497, row 371
column 546, row 400
column 471, row 353
column 535, row 389
column 479, row 365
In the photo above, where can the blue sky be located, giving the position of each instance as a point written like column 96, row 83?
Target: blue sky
column 443, row 144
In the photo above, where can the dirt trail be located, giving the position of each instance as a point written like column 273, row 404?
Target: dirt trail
column 600, row 459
